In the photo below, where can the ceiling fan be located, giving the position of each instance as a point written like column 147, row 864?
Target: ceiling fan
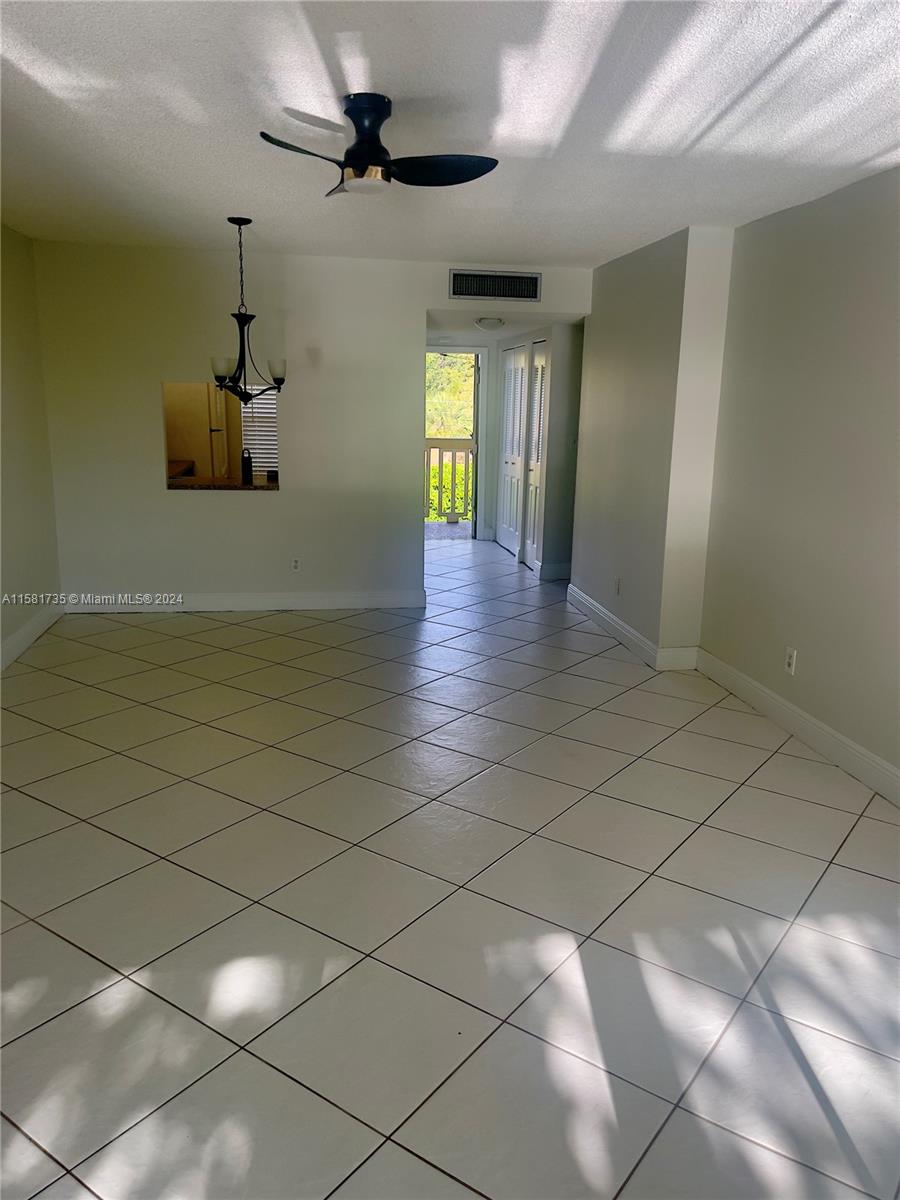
column 367, row 166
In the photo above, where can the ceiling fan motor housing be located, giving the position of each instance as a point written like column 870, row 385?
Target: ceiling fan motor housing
column 368, row 111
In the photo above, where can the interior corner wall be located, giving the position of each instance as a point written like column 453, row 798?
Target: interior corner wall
column 628, row 391
column 560, row 449
column 705, row 310
column 29, row 552
column 805, row 525
column 118, row 322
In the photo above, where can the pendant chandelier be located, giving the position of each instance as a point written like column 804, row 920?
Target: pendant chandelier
column 231, row 373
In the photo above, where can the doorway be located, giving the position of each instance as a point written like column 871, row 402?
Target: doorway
column 451, row 422
column 539, row 389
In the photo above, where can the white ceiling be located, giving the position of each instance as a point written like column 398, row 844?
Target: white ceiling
column 614, row 123
column 456, row 327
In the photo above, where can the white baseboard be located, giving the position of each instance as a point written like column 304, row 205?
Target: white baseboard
column 549, row 571
column 677, row 658
column 17, row 643
column 878, row 774
column 883, row 777
column 672, row 658
column 258, row 601
column 636, row 642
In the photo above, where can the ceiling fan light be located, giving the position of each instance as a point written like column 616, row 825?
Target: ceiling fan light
column 489, row 322
column 365, row 179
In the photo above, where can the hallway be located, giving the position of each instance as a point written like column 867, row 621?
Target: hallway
column 421, row 904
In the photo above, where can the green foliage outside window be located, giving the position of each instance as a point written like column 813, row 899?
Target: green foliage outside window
column 449, row 395
column 433, row 489
column 449, row 413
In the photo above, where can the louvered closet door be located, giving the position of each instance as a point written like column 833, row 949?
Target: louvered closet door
column 535, row 456
column 512, row 437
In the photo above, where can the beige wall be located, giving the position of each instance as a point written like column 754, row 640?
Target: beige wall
column 117, row 322
column 560, row 448
column 694, row 435
column 30, row 561
column 628, row 390
column 804, row 530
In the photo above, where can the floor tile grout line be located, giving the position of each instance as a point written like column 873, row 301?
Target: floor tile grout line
column 81, row 1161
column 507, row 1022
column 69, row 1007
column 25, row 1134
column 739, row 1007
column 840, row 1037
column 130, row 976
column 238, row 1047
column 91, row 818
column 169, row 859
column 881, row 820
column 780, row 1153
column 80, row 1182
column 775, row 845
column 389, row 1142
column 653, row 874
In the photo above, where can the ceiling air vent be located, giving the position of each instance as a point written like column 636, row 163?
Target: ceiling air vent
column 495, row 285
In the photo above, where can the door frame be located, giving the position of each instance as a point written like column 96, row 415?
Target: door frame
column 535, row 565
column 526, row 340
column 520, row 349
column 480, row 430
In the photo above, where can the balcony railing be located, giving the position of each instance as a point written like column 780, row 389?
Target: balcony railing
column 449, row 478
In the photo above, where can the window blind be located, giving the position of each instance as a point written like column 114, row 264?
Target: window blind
column 259, row 429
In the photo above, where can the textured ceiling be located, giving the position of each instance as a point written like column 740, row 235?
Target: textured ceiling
column 614, row 123
column 453, row 326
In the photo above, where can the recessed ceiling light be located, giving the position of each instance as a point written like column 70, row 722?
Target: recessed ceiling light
column 489, row 322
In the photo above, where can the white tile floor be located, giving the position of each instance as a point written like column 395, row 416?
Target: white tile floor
column 420, row 905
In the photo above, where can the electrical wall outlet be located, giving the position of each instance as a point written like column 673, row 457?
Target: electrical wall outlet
column 295, row 564
column 790, row 660
column 618, row 583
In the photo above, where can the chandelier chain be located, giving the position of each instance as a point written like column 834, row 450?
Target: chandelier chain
column 242, row 307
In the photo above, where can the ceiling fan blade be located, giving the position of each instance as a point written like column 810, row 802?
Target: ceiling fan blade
column 440, row 170
column 336, row 191
column 274, row 141
column 314, row 120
